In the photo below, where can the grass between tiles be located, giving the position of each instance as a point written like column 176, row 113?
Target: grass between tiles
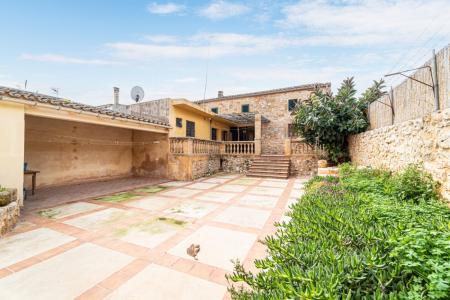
column 368, row 234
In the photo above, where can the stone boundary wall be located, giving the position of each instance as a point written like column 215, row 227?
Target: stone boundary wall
column 423, row 140
column 9, row 214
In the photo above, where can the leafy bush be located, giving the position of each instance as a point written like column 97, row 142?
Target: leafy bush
column 356, row 238
column 327, row 119
column 413, row 184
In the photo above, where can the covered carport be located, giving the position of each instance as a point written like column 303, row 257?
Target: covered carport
column 79, row 150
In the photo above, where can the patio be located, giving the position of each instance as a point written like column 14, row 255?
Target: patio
column 133, row 244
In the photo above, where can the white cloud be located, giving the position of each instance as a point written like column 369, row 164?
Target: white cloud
column 57, row 58
column 366, row 22
column 165, row 8
column 161, row 38
column 220, row 9
column 203, row 46
column 186, row 80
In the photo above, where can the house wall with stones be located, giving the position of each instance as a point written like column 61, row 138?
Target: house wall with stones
column 190, row 167
column 273, row 106
column 424, row 140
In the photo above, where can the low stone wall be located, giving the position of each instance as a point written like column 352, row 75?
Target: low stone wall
column 304, row 165
column 9, row 214
column 187, row 167
column 236, row 163
column 205, row 166
column 420, row 141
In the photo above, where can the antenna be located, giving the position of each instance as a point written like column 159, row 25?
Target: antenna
column 137, row 93
column 55, row 90
column 26, row 82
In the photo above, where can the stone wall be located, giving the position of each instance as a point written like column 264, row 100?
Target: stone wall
column 303, row 165
column 190, row 167
column 205, row 167
column 273, row 106
column 424, row 141
column 9, row 214
column 236, row 163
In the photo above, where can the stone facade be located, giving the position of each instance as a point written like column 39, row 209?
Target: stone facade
column 303, row 165
column 420, row 141
column 205, row 167
column 236, row 163
column 190, row 167
column 9, row 214
column 273, row 105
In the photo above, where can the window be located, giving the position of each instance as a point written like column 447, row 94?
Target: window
column 179, row 122
column 214, row 134
column 292, row 133
column 292, row 103
column 215, row 110
column 190, row 129
column 224, row 135
column 245, row 108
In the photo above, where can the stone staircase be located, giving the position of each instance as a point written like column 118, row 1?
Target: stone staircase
column 270, row 166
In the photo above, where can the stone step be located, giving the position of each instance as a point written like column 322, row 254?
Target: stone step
column 269, row 171
column 330, row 171
column 271, row 168
column 270, row 164
column 265, row 175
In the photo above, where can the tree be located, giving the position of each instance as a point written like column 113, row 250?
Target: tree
column 327, row 120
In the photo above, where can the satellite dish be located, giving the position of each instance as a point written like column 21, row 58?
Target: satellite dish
column 137, row 93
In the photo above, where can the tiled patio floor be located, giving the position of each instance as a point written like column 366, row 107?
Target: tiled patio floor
column 133, row 245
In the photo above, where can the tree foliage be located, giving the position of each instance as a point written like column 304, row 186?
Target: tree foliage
column 327, row 120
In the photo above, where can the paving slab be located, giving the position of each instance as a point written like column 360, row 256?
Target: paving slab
column 218, row 246
column 99, row 220
column 180, row 193
column 216, row 180
column 152, row 203
column 201, row 186
column 290, row 202
column 150, row 233
column 159, row 283
column 234, row 188
column 259, row 200
column 296, row 193
column 245, row 181
column 271, row 183
column 191, row 209
column 174, row 183
column 21, row 246
column 68, row 210
column 216, row 197
column 229, row 176
column 242, row 216
column 268, row 191
column 64, row 276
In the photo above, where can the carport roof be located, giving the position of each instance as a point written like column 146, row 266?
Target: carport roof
column 60, row 102
column 243, row 118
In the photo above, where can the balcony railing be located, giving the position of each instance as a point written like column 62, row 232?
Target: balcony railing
column 241, row 148
column 300, row 147
column 192, row 146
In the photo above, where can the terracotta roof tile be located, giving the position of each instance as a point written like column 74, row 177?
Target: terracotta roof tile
column 40, row 98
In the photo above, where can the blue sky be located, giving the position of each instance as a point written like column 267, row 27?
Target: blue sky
column 84, row 48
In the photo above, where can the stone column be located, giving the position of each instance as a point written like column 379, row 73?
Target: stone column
column 189, row 147
column 287, row 147
column 257, row 134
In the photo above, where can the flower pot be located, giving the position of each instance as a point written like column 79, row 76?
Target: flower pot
column 322, row 163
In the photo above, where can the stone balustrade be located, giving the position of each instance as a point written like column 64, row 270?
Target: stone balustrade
column 239, row 148
column 192, row 146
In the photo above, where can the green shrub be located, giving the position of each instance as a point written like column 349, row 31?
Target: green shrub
column 413, row 184
column 355, row 238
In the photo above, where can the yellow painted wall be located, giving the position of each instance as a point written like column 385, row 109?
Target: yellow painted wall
column 12, row 128
column 202, row 124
